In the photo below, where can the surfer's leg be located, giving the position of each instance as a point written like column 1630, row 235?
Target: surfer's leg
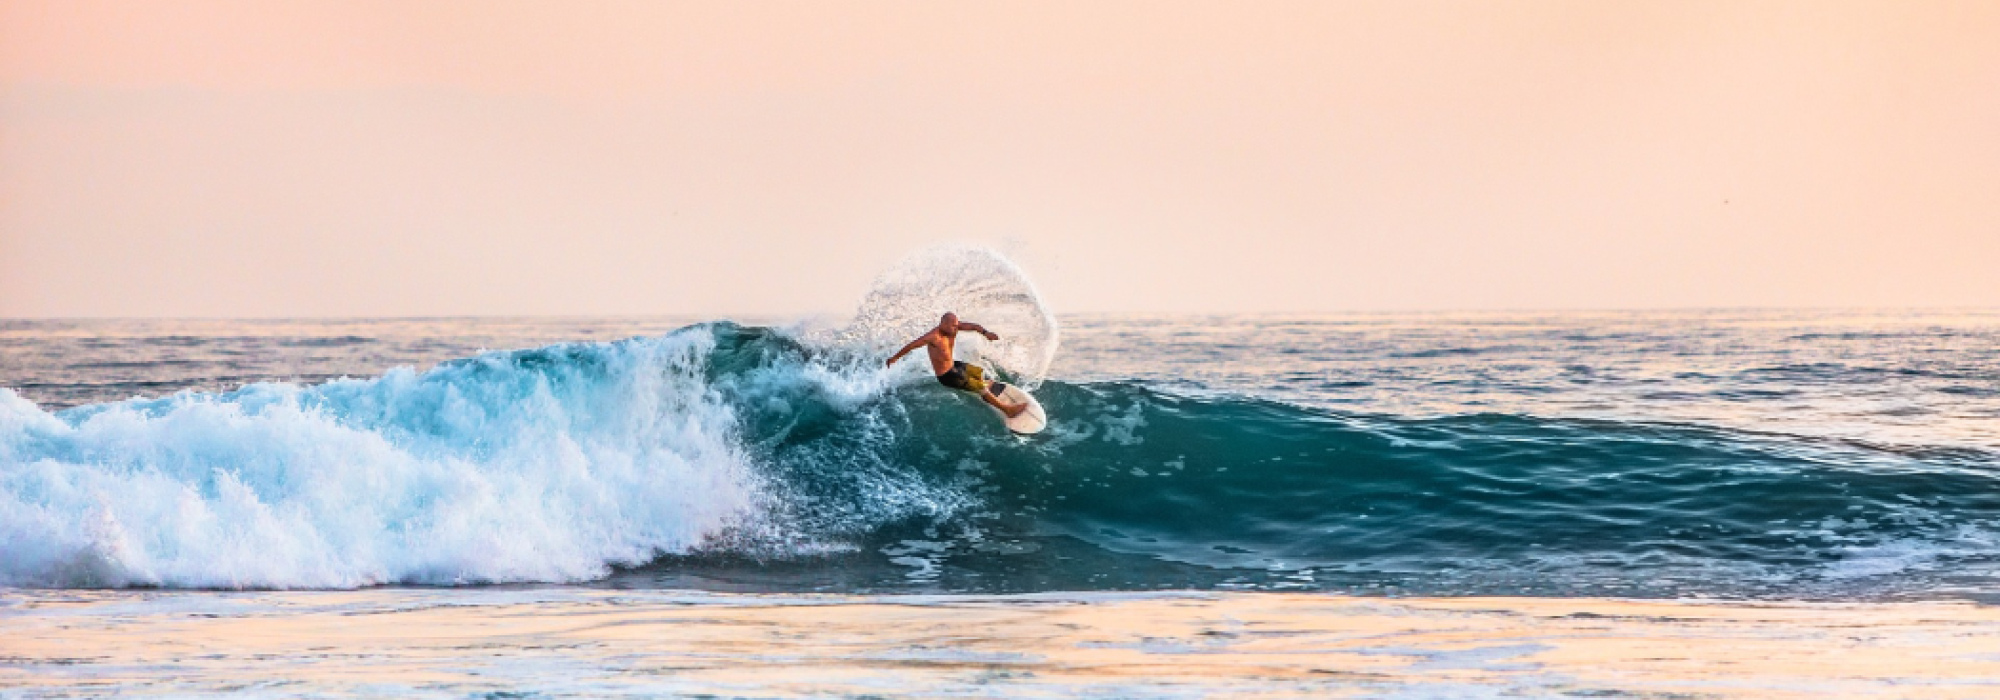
column 1010, row 409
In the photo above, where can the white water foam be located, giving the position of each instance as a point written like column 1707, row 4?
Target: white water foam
column 545, row 465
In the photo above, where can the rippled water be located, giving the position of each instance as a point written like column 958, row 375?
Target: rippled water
column 1916, row 378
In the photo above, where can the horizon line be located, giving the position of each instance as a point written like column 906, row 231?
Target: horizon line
column 724, row 316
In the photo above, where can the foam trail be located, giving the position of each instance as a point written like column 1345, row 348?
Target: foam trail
column 543, row 465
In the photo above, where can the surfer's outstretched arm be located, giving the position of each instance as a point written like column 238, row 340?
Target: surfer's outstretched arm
column 914, row 344
column 976, row 328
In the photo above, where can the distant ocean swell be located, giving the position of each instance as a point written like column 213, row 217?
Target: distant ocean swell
column 740, row 449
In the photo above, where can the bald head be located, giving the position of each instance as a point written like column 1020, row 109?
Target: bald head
column 948, row 323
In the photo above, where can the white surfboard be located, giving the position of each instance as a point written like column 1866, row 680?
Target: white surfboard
column 1026, row 422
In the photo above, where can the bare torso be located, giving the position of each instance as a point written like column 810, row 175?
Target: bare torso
column 938, row 342
column 940, row 347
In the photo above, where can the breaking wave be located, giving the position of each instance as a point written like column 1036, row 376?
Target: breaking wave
column 751, row 447
column 761, row 458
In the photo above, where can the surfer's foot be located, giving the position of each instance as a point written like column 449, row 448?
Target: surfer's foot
column 1009, row 410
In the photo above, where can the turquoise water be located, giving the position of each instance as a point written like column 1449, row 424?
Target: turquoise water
column 1819, row 455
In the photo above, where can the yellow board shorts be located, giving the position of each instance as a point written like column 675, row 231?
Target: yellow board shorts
column 964, row 377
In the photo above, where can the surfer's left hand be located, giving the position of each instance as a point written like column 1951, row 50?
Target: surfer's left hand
column 990, row 335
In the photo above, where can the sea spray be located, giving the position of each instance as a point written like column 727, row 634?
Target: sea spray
column 979, row 285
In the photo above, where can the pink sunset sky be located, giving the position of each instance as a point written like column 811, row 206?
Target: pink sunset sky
column 355, row 158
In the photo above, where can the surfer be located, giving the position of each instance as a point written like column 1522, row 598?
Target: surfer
column 954, row 374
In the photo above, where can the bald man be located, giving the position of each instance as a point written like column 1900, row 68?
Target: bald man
column 954, row 374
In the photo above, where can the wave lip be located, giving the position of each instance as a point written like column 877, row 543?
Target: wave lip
column 542, row 465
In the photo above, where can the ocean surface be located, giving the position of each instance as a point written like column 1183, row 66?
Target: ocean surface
column 1814, row 455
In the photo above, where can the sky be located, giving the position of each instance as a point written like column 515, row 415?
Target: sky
column 363, row 158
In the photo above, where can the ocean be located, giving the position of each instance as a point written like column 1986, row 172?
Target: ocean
column 1797, row 456
column 1821, row 455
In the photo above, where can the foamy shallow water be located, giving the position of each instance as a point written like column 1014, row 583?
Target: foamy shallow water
column 550, row 642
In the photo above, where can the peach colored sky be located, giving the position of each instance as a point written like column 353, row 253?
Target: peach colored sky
column 426, row 158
